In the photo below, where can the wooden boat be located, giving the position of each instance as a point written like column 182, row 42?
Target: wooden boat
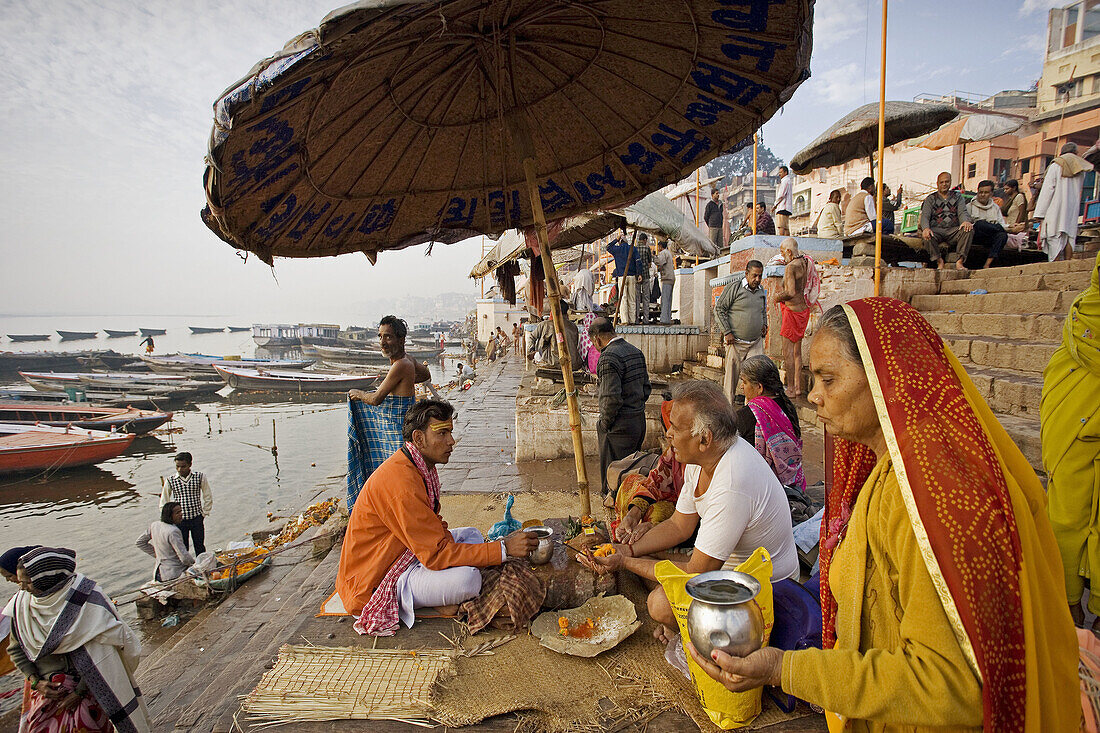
column 365, row 355
column 264, row 380
column 41, row 448
column 25, row 337
column 118, row 334
column 153, row 331
column 77, row 335
column 118, row 419
column 162, row 386
column 184, row 363
column 204, row 329
column 239, row 329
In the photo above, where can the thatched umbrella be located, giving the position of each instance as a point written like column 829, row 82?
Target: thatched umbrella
column 398, row 122
column 855, row 135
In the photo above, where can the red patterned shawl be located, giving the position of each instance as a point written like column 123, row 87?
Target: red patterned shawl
column 952, row 480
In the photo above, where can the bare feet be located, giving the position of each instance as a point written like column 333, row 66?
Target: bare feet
column 941, row 265
column 663, row 634
column 988, row 264
column 960, row 266
column 609, row 500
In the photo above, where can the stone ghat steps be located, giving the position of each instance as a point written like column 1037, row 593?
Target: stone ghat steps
column 1022, row 355
column 1017, row 302
column 1074, row 281
column 1021, row 326
column 1007, row 391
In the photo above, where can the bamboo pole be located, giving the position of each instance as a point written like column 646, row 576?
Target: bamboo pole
column 754, row 137
column 521, row 138
column 696, row 197
column 881, row 147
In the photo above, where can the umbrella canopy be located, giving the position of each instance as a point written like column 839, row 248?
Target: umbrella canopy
column 395, row 122
column 968, row 129
column 654, row 214
column 855, row 135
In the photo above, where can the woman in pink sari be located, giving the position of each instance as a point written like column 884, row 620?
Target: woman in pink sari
column 769, row 421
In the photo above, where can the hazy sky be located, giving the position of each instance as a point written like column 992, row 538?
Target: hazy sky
column 105, row 110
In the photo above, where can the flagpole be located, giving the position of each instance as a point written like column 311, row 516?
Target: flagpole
column 754, row 136
column 881, row 148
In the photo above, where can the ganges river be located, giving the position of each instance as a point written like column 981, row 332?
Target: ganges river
column 100, row 511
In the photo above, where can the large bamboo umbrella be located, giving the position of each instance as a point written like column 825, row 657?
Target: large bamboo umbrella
column 397, row 122
column 855, row 135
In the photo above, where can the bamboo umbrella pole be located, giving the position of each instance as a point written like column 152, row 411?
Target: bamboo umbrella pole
column 521, row 137
column 754, row 136
column 696, row 197
column 881, row 146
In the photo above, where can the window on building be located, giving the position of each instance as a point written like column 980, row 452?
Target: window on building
column 971, row 170
column 1096, row 83
column 1002, row 170
column 1025, row 166
column 1090, row 28
column 1069, row 32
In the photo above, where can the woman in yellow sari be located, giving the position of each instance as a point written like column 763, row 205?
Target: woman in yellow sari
column 1070, row 431
column 937, row 558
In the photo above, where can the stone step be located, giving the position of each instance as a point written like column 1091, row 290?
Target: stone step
column 1037, row 326
column 1073, row 282
column 1008, row 392
column 1003, row 353
column 1024, row 431
column 1037, row 268
column 1040, row 301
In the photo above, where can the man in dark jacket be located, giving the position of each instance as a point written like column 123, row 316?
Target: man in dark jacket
column 713, row 217
column 623, row 391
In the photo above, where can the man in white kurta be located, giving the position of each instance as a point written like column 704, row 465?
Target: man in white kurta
column 1059, row 201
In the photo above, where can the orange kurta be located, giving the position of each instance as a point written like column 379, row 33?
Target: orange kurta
column 392, row 514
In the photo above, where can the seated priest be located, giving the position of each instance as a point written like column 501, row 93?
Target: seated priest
column 398, row 553
column 730, row 494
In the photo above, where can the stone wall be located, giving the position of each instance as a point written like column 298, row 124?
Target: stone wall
column 542, row 431
column 665, row 353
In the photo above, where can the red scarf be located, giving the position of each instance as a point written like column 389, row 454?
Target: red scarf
column 380, row 616
column 956, row 483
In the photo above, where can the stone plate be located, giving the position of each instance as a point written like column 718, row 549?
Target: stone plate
column 617, row 620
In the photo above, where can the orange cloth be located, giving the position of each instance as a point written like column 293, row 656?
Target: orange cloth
column 392, row 514
column 794, row 323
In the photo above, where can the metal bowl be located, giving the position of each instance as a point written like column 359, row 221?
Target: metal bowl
column 724, row 615
column 541, row 554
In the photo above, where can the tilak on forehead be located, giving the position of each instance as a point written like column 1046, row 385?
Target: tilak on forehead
column 441, row 426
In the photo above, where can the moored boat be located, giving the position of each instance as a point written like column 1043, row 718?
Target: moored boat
column 25, row 337
column 239, row 329
column 92, row 417
column 111, row 334
column 263, row 380
column 204, row 329
column 153, row 331
column 39, row 447
column 77, row 335
column 182, row 363
column 160, row 386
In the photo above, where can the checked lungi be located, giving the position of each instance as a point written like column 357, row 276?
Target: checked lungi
column 374, row 434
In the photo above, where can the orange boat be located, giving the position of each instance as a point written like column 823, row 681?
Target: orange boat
column 40, row 448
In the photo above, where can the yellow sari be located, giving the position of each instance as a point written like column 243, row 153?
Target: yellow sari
column 1070, row 432
column 978, row 535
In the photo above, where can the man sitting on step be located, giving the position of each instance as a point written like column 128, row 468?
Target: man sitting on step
column 398, row 553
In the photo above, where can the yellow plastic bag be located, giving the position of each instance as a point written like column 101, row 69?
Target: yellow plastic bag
column 726, row 709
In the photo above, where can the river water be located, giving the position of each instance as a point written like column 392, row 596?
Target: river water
column 100, row 511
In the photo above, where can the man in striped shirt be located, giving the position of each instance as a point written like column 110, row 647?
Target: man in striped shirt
column 623, row 388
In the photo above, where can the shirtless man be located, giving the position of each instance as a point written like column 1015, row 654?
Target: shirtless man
column 796, row 314
column 405, row 372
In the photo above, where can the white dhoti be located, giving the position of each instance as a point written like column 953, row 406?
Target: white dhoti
column 419, row 587
column 1057, row 205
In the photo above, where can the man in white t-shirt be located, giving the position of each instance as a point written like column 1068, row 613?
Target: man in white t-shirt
column 730, row 493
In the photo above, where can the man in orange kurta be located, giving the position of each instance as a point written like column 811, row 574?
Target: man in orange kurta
column 394, row 513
